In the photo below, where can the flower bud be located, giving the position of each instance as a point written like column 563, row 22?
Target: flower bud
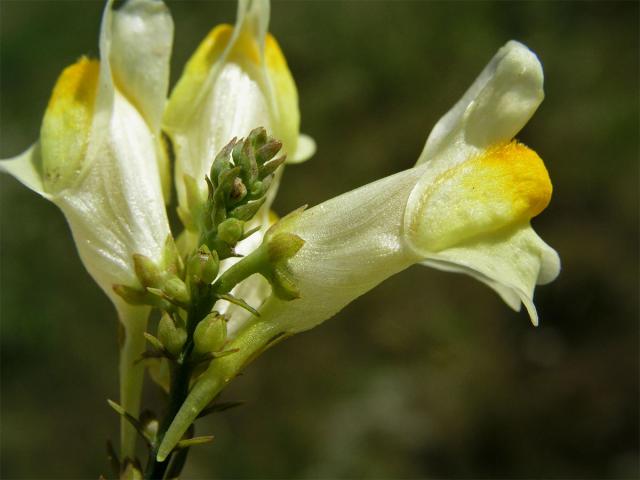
column 210, row 334
column 172, row 337
column 176, row 290
column 230, row 231
column 171, row 259
column 202, row 267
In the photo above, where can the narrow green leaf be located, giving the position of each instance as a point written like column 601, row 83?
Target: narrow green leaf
column 219, row 407
column 191, row 442
column 131, row 419
column 153, row 341
column 239, row 302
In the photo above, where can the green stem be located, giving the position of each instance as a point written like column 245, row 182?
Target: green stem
column 133, row 323
column 252, row 263
column 182, row 369
column 179, row 387
column 253, row 341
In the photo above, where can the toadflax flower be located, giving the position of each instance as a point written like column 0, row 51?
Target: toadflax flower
column 99, row 159
column 236, row 80
column 465, row 207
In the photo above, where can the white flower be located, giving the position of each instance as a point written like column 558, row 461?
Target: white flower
column 99, row 159
column 236, row 80
column 465, row 207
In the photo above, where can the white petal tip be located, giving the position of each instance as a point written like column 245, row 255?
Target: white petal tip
column 24, row 168
column 305, row 150
column 550, row 266
column 531, row 309
column 509, row 99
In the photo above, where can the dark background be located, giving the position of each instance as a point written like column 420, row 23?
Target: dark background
column 430, row 374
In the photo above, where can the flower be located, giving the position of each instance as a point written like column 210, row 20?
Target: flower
column 100, row 160
column 465, row 207
column 236, row 80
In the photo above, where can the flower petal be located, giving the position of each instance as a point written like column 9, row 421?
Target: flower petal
column 236, row 80
column 305, row 149
column 492, row 111
column 511, row 261
column 140, row 39
column 505, row 185
column 27, row 169
column 117, row 208
column 352, row 243
column 509, row 296
column 283, row 98
column 137, row 39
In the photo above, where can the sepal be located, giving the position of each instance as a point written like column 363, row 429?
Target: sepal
column 172, row 336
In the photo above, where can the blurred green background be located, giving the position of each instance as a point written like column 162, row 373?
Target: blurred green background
column 429, row 375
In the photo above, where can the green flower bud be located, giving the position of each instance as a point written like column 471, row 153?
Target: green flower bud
column 132, row 296
column 171, row 259
column 244, row 157
column 257, row 137
column 238, row 191
column 176, row 290
column 203, row 267
column 248, row 210
column 271, row 166
column 172, row 337
column 210, row 334
column 230, row 231
column 221, row 163
column 268, row 151
column 280, row 247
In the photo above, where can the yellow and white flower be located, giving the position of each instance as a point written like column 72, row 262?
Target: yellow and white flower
column 100, row 160
column 465, row 207
column 236, row 80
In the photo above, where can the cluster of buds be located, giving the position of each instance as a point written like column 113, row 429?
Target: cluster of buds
column 162, row 282
column 237, row 184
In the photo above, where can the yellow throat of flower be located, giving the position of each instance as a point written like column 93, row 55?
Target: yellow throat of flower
column 67, row 123
column 506, row 185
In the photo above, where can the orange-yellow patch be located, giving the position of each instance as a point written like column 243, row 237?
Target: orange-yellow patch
column 77, row 85
column 67, row 124
column 210, row 49
column 511, row 172
column 506, row 185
